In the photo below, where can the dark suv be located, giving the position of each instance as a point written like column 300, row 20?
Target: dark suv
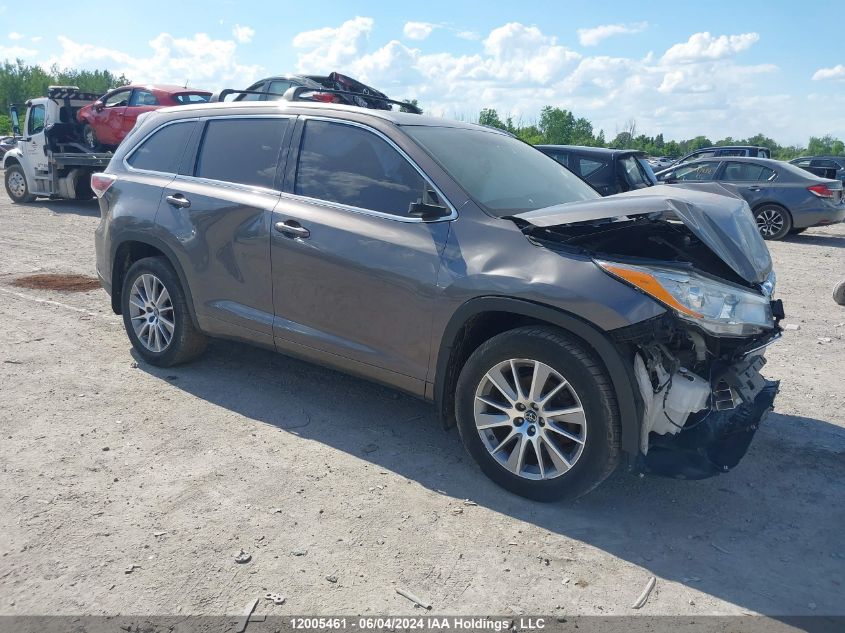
column 609, row 171
column 559, row 330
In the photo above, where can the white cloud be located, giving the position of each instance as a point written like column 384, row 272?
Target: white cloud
column 11, row 53
column 35, row 39
column 243, row 34
column 15, row 36
column 332, row 48
column 468, row 35
column 594, row 35
column 827, row 74
column 703, row 46
column 200, row 60
column 418, row 30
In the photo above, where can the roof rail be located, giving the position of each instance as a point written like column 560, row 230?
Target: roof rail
column 296, row 93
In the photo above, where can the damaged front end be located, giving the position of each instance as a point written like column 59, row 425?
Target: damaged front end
column 697, row 366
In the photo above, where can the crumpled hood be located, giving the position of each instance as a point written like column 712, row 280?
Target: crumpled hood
column 717, row 215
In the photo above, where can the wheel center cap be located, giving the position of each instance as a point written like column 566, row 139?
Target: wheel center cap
column 530, row 416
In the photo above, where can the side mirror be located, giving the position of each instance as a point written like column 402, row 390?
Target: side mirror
column 426, row 211
column 16, row 124
column 670, row 181
column 98, row 106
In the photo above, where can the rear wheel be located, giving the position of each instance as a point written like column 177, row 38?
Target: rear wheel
column 538, row 414
column 156, row 316
column 773, row 221
column 16, row 185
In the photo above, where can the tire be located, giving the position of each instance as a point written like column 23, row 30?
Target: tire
column 16, row 185
column 89, row 137
column 773, row 221
column 166, row 346
column 839, row 293
column 591, row 450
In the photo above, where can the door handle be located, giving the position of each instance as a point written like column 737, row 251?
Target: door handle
column 753, row 188
column 178, row 200
column 292, row 228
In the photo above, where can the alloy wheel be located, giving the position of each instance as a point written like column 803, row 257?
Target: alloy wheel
column 530, row 419
column 151, row 313
column 770, row 222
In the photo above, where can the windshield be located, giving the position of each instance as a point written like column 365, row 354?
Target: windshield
column 502, row 174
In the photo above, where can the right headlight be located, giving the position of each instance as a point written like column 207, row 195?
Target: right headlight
column 720, row 308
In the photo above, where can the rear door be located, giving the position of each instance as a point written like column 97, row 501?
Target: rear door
column 353, row 273
column 219, row 208
column 755, row 182
column 141, row 101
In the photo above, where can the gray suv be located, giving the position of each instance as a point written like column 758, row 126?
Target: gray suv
column 562, row 332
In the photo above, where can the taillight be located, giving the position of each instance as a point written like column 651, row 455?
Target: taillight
column 325, row 97
column 100, row 183
column 822, row 191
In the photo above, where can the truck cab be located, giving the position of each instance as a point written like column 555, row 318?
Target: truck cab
column 51, row 160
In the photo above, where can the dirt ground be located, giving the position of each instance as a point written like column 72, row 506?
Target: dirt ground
column 343, row 491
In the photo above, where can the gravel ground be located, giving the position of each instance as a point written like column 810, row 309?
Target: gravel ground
column 343, row 491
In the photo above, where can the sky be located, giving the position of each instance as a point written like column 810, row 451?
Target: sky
column 713, row 68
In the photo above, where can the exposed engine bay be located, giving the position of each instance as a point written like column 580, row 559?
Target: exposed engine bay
column 697, row 366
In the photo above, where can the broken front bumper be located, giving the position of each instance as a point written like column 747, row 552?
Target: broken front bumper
column 712, row 445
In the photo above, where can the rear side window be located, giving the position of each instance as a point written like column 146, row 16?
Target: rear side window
column 588, row 167
column 560, row 157
column 142, row 98
column 191, row 97
column 351, row 166
column 279, row 87
column 747, row 172
column 259, row 87
column 163, row 150
column 244, row 151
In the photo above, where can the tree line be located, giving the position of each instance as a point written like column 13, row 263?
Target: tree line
column 20, row 81
column 557, row 126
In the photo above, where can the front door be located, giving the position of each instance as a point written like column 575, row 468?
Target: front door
column 354, row 275
column 108, row 121
column 32, row 144
column 219, row 209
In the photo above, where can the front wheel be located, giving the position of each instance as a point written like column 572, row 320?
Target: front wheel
column 156, row 316
column 773, row 222
column 16, row 185
column 90, row 137
column 538, row 414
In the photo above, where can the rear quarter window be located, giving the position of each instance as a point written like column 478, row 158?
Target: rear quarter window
column 162, row 151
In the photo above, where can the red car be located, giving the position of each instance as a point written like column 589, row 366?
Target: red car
column 110, row 118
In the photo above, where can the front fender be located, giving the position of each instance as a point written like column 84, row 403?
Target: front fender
column 12, row 153
column 617, row 369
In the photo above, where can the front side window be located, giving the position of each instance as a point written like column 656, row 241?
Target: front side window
column 163, row 150
column 143, row 98
column 37, row 116
column 696, row 171
column 633, row 172
column 243, row 151
column 502, row 174
column 352, row 166
column 120, row 98
column 739, row 172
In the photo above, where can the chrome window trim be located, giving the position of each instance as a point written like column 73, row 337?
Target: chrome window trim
column 352, row 209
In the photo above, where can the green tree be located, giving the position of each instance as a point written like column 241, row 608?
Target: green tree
column 490, row 117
